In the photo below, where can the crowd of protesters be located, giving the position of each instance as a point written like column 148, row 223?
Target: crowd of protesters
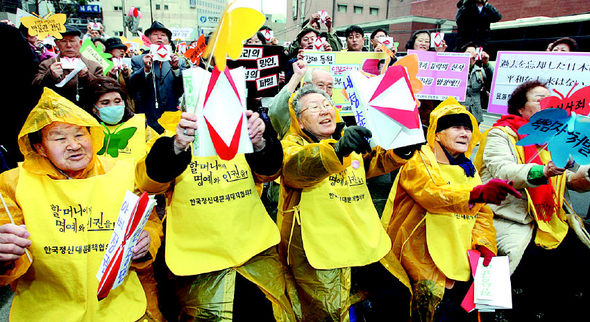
column 293, row 234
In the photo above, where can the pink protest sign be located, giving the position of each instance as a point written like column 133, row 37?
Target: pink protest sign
column 443, row 74
column 560, row 70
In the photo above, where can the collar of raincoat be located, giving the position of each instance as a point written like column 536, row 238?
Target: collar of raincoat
column 54, row 108
column 296, row 129
column 448, row 107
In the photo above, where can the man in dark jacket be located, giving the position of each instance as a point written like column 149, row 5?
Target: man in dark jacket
column 162, row 77
column 473, row 22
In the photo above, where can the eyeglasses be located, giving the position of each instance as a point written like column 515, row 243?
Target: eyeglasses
column 316, row 108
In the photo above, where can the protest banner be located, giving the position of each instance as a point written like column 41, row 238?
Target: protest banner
column 183, row 34
column 338, row 63
column 560, row 70
column 443, row 74
column 263, row 65
column 91, row 52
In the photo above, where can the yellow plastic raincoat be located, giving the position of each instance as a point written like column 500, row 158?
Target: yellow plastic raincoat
column 217, row 227
column 428, row 187
column 62, row 276
column 325, row 215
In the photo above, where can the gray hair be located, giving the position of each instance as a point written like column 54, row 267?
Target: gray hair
column 305, row 90
column 308, row 77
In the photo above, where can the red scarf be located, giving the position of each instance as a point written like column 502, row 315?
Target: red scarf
column 543, row 196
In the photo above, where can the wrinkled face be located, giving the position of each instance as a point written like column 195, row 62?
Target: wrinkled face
column 422, row 42
column 317, row 116
column 69, row 46
column 323, row 80
column 94, row 33
column 561, row 47
column 354, row 41
column 307, row 40
column 159, row 37
column 374, row 41
column 532, row 106
column 118, row 52
column 67, row 146
column 455, row 139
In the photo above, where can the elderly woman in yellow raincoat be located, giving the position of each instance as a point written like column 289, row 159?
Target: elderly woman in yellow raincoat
column 217, row 226
column 61, row 207
column 436, row 209
column 326, row 216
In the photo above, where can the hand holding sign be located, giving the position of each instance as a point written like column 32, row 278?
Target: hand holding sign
column 160, row 52
column 564, row 135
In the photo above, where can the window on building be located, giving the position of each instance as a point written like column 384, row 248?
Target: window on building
column 374, row 11
column 117, row 8
column 342, row 8
column 358, row 10
column 157, row 7
column 118, row 33
column 165, row 7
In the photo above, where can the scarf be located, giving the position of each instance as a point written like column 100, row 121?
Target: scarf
column 543, row 196
column 461, row 161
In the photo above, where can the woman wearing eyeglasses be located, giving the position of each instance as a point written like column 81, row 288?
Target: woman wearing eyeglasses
column 326, row 216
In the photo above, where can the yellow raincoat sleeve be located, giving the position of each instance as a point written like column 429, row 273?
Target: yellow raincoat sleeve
column 379, row 162
column 484, row 233
column 435, row 197
column 307, row 164
column 10, row 271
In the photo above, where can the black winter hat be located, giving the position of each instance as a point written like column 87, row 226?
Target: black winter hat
column 113, row 43
column 156, row 25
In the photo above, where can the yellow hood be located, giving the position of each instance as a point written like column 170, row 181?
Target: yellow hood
column 54, row 108
column 448, row 107
column 296, row 129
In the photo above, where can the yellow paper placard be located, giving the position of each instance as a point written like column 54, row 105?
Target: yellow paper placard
column 51, row 25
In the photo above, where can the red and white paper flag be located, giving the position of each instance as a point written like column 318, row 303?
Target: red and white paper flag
column 114, row 267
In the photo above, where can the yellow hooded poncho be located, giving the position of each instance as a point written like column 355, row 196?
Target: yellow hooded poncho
column 423, row 186
column 54, row 108
column 307, row 164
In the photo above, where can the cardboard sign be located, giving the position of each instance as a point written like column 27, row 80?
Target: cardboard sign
column 560, row 70
column 578, row 102
column 196, row 50
column 262, row 67
column 268, row 34
column 436, row 39
column 219, row 101
column 183, row 34
column 89, row 51
column 50, row 25
column 567, row 137
column 443, row 74
column 160, row 52
column 318, row 44
column 133, row 216
column 121, row 63
column 386, row 105
column 337, row 63
column 323, row 15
